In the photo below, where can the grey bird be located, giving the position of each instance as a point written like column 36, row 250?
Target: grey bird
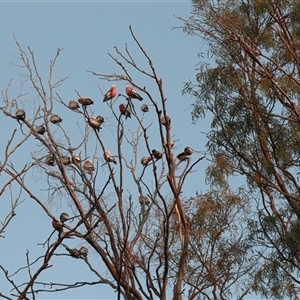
column 20, row 114
column 41, row 129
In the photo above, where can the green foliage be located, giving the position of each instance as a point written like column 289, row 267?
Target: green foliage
column 219, row 244
column 251, row 88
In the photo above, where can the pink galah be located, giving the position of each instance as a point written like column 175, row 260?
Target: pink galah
column 85, row 101
column 88, row 166
column 100, row 120
column 83, row 251
column 55, row 119
column 188, row 151
column 145, row 160
column 57, row 225
column 50, row 161
column 124, row 111
column 165, row 120
column 156, row 154
column 64, row 217
column 76, row 159
column 66, row 160
column 109, row 157
column 41, row 129
column 110, row 94
column 143, row 200
column 182, row 156
column 171, row 143
column 131, row 93
column 94, row 123
column 144, row 108
column 73, row 105
column 20, row 114
column 73, row 252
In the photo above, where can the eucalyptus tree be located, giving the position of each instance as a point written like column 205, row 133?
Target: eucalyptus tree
column 250, row 85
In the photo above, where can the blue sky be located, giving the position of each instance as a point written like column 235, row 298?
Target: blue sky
column 87, row 31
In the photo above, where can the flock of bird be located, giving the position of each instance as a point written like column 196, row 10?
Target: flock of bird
column 82, row 252
column 95, row 123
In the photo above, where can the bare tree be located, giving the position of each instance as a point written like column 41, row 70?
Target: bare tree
column 128, row 204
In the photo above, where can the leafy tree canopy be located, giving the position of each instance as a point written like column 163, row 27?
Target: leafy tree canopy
column 251, row 85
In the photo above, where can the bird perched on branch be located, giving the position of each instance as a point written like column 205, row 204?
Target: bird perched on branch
column 165, row 120
column 124, row 111
column 94, row 123
column 171, row 143
column 131, row 93
column 57, row 225
column 73, row 105
column 40, row 129
column 20, row 114
column 109, row 157
column 50, row 161
column 156, row 154
column 55, row 119
column 182, row 156
column 73, row 252
column 65, row 160
column 143, row 200
column 76, row 159
column 144, row 108
column 64, row 217
column 88, row 166
column 188, row 151
column 85, row 101
column 145, row 160
column 83, row 251
column 100, row 120
column 110, row 94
